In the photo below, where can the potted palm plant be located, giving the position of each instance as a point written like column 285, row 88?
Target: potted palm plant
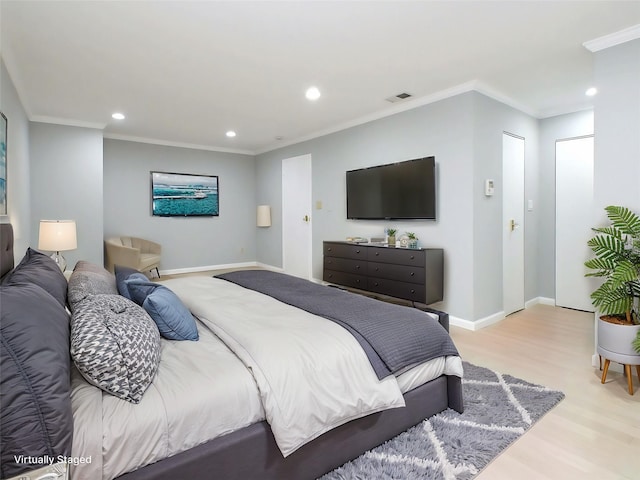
column 617, row 261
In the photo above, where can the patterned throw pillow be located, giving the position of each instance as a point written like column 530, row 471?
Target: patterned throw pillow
column 115, row 345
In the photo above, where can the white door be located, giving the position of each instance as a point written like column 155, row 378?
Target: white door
column 296, row 216
column 513, row 223
column 574, row 217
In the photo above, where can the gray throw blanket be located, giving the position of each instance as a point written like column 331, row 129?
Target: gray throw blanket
column 394, row 337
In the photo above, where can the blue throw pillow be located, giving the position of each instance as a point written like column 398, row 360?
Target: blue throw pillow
column 174, row 320
column 125, row 273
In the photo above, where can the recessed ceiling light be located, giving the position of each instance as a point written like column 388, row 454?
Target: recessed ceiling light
column 313, row 93
column 118, row 116
column 231, row 134
column 591, row 92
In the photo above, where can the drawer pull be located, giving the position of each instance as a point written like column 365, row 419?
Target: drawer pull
column 413, row 291
column 412, row 274
column 377, row 269
column 376, row 284
column 357, row 267
column 358, row 280
column 412, row 257
column 328, row 249
column 377, row 253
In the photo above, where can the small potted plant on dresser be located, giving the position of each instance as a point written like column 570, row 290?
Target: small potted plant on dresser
column 412, row 240
column 617, row 261
column 391, row 237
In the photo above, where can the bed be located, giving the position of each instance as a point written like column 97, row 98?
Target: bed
column 218, row 407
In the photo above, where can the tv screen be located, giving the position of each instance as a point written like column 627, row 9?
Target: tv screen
column 184, row 195
column 404, row 190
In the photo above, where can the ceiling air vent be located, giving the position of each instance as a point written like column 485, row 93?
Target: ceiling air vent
column 399, row 97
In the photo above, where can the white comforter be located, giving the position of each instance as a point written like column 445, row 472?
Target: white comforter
column 332, row 382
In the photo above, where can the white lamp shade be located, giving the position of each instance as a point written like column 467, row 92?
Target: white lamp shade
column 57, row 235
column 264, row 216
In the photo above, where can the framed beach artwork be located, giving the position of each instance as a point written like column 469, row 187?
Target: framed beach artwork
column 3, row 164
column 184, row 195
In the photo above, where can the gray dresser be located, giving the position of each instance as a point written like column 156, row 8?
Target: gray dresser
column 410, row 274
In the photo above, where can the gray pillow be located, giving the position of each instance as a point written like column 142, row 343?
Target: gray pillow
column 40, row 269
column 35, row 405
column 115, row 345
column 89, row 279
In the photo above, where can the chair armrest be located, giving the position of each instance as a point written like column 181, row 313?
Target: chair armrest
column 121, row 255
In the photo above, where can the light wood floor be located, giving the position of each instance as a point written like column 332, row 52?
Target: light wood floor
column 594, row 433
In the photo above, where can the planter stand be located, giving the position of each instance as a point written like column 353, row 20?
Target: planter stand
column 614, row 344
column 627, row 372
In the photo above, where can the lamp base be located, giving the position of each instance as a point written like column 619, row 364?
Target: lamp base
column 60, row 260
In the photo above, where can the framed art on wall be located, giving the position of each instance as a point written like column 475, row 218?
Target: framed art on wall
column 3, row 164
column 184, row 195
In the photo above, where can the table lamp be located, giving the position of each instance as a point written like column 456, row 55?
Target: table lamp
column 57, row 236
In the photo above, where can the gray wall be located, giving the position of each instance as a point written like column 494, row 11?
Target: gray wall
column 186, row 242
column 561, row 127
column 491, row 119
column 18, row 184
column 454, row 131
column 617, row 126
column 66, row 183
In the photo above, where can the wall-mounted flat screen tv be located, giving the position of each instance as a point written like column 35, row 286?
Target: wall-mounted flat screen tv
column 403, row 190
column 184, row 195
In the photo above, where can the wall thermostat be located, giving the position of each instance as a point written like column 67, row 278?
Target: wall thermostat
column 488, row 187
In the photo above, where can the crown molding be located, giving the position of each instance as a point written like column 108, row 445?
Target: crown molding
column 613, row 39
column 167, row 143
column 67, row 122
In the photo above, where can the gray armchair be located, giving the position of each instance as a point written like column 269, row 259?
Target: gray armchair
column 138, row 253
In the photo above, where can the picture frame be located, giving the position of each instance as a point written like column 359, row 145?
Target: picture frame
column 184, row 195
column 3, row 164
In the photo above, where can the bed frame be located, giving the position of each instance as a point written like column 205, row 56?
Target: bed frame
column 252, row 453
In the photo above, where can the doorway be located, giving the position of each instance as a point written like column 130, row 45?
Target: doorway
column 296, row 218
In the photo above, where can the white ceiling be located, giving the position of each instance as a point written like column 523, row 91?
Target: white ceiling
column 186, row 72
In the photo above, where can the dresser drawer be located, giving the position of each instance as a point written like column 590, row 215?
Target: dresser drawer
column 345, row 265
column 346, row 279
column 393, row 288
column 344, row 251
column 398, row 256
column 402, row 273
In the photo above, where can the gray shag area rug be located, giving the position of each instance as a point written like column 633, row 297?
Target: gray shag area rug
column 498, row 409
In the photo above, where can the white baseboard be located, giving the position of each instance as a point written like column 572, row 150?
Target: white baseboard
column 266, row 266
column 224, row 266
column 478, row 324
column 540, row 301
column 178, row 271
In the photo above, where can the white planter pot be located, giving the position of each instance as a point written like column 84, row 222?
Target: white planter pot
column 614, row 342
